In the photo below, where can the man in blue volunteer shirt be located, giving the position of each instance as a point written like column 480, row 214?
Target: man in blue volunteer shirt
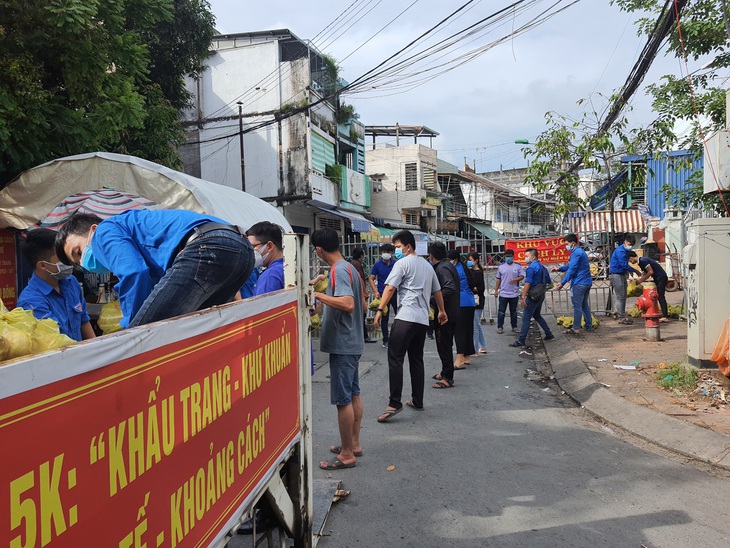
column 619, row 270
column 267, row 242
column 535, row 274
column 579, row 277
column 52, row 292
column 169, row 262
column 651, row 269
column 380, row 272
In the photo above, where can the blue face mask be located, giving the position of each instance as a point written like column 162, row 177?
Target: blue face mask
column 508, row 260
column 90, row 263
column 569, row 247
column 399, row 253
column 628, row 247
column 470, row 263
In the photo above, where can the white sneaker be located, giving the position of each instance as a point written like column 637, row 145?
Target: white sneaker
column 500, row 331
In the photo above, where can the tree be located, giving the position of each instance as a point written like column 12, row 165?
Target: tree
column 88, row 75
column 567, row 143
column 698, row 99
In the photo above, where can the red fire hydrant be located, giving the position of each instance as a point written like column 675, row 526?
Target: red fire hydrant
column 649, row 304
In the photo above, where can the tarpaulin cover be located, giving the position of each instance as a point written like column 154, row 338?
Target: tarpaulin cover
column 34, row 193
column 721, row 353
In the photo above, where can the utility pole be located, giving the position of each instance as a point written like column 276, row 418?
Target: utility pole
column 240, row 142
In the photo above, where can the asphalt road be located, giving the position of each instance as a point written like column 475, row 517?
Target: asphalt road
column 500, row 461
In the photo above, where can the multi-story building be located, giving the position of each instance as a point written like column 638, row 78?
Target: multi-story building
column 265, row 119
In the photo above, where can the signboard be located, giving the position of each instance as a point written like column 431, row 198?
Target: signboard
column 8, row 272
column 549, row 250
column 163, row 444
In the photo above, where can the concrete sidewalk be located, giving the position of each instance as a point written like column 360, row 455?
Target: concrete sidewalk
column 686, row 423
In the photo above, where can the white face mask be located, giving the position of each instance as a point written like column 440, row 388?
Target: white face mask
column 258, row 259
column 386, row 256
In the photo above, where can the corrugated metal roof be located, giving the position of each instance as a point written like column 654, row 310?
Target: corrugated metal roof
column 662, row 172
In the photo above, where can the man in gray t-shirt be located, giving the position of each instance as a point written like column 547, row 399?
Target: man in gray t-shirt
column 341, row 336
column 415, row 280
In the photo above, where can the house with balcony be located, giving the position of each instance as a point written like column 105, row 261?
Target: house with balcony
column 404, row 186
column 265, row 119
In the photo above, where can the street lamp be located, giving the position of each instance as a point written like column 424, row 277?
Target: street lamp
column 522, row 142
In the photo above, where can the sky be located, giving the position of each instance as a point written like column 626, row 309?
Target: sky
column 480, row 107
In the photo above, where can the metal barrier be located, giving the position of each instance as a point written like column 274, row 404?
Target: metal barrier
column 559, row 302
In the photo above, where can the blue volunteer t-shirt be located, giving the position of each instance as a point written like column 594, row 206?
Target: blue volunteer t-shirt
column 271, row 279
column 381, row 271
column 67, row 308
column 138, row 246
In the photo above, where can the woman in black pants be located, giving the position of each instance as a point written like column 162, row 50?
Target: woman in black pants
column 477, row 271
column 465, row 329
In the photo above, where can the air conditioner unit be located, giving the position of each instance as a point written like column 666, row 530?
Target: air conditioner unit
column 717, row 162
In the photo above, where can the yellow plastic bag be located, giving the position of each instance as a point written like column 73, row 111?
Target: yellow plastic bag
column 21, row 319
column 3, row 310
column 46, row 336
column 431, row 314
column 316, row 321
column 18, row 341
column 109, row 318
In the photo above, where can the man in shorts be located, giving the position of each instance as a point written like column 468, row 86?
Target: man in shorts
column 342, row 337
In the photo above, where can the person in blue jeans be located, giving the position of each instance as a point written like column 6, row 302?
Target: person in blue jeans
column 379, row 273
column 535, row 274
column 578, row 275
column 169, row 262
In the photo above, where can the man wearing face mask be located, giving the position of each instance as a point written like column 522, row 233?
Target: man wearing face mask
column 268, row 248
column 380, row 272
column 169, row 262
column 579, row 277
column 619, row 270
column 509, row 276
column 52, row 292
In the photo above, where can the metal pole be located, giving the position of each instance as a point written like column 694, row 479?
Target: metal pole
column 240, row 144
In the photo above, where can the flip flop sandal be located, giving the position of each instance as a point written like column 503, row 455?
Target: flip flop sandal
column 443, row 383
column 335, row 464
column 388, row 414
column 459, row 367
column 437, row 377
column 410, row 404
column 337, row 448
column 571, row 332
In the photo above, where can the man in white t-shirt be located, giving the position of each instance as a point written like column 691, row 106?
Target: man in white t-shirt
column 415, row 281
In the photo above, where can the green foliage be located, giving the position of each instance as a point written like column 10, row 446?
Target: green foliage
column 704, row 35
column 345, row 113
column 334, row 172
column 568, row 140
column 677, row 375
column 87, row 75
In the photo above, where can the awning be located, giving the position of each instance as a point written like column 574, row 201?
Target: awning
column 488, row 231
column 358, row 222
column 391, row 223
column 591, row 222
column 451, row 239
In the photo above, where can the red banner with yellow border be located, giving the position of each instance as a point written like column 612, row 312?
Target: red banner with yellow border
column 549, row 250
column 160, row 448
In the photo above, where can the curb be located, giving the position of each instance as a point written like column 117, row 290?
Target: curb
column 667, row 432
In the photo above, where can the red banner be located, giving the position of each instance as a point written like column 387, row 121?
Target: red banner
column 8, row 272
column 157, row 449
column 549, row 250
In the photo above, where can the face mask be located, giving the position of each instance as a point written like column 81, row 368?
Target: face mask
column 508, row 260
column 399, row 253
column 258, row 259
column 628, row 247
column 64, row 271
column 90, row 263
column 386, row 256
column 528, row 260
column 470, row 263
column 569, row 247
